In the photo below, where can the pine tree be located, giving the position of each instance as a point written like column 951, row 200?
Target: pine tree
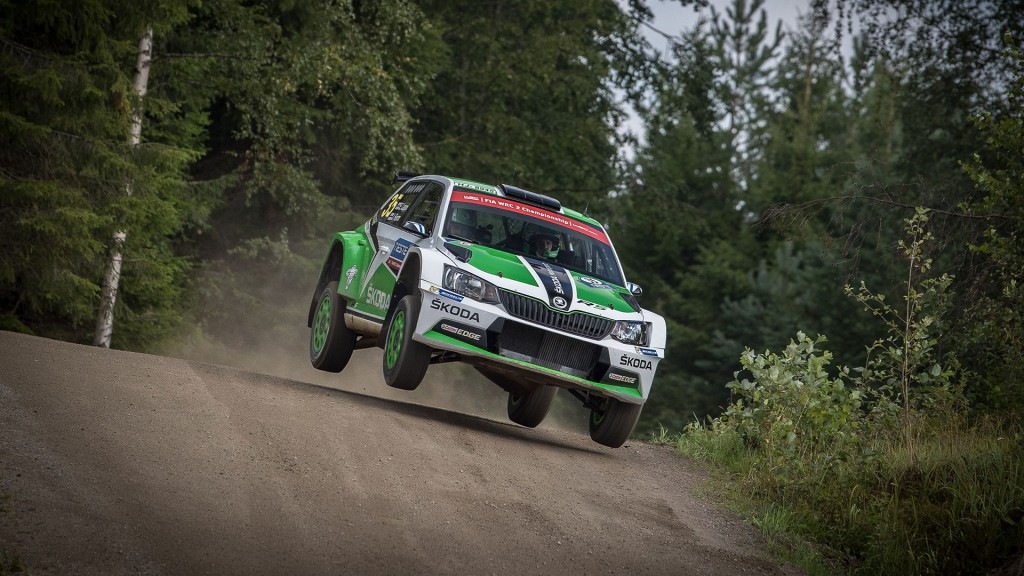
column 526, row 94
column 66, row 112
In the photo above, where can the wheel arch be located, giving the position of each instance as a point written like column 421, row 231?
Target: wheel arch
column 346, row 248
column 406, row 282
column 329, row 271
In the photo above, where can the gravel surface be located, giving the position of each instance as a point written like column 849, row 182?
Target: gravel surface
column 121, row 463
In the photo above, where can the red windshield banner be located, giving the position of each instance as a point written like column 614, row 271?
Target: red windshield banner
column 525, row 209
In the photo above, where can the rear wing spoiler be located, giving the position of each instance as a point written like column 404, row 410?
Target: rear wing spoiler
column 403, row 175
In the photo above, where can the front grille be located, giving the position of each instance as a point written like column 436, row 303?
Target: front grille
column 536, row 311
column 548, row 349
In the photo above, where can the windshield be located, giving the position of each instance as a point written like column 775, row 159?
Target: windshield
column 533, row 232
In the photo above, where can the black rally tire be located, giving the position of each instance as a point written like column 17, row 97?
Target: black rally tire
column 330, row 341
column 405, row 360
column 612, row 424
column 530, row 408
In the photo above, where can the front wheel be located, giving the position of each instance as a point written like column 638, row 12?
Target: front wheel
column 529, row 409
column 613, row 421
column 330, row 340
column 405, row 360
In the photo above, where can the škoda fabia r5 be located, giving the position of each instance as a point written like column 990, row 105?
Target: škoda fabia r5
column 528, row 292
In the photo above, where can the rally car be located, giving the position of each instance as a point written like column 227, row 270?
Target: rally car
column 528, row 292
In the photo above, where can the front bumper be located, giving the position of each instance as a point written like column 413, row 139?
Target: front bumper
column 488, row 335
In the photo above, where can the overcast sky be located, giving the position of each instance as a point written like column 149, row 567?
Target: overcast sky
column 671, row 17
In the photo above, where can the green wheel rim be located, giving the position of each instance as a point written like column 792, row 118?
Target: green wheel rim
column 597, row 417
column 395, row 339
column 321, row 325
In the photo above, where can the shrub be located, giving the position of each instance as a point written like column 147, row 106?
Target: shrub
column 793, row 410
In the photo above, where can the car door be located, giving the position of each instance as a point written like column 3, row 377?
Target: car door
column 416, row 202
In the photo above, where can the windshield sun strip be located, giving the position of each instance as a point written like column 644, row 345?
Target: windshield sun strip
column 504, row 204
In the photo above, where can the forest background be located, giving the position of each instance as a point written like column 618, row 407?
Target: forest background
column 774, row 170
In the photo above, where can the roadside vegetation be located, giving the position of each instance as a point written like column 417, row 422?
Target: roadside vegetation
column 892, row 467
column 898, row 447
column 951, row 504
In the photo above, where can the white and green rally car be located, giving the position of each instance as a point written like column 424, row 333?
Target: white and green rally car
column 528, row 292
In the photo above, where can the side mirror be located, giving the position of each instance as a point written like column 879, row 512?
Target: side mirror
column 416, row 228
column 634, row 289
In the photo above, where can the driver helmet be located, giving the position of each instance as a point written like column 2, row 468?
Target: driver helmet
column 544, row 245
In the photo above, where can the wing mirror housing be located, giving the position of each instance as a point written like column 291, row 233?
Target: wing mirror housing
column 634, row 289
column 416, row 228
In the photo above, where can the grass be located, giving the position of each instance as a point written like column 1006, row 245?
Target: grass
column 949, row 502
column 10, row 564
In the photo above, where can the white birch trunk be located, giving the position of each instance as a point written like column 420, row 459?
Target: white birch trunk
column 112, row 278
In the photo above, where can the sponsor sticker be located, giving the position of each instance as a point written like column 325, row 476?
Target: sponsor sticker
column 350, row 275
column 378, row 298
column 398, row 253
column 639, row 363
column 447, row 293
column 450, row 295
column 592, row 305
column 460, row 331
column 647, row 351
column 466, row 186
column 594, row 282
column 621, row 378
column 456, row 311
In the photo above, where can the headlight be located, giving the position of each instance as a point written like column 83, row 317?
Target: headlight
column 467, row 284
column 635, row 333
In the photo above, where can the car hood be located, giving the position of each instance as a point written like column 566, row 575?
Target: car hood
column 559, row 287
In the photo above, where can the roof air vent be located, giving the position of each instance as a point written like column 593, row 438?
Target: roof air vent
column 530, row 197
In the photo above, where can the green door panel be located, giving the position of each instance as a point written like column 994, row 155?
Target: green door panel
column 377, row 296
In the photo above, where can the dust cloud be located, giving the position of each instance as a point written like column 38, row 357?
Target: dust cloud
column 274, row 340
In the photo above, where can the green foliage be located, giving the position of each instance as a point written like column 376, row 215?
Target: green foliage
column 243, row 101
column 66, row 165
column 953, row 506
column 903, row 366
column 993, row 322
column 883, row 471
column 807, row 129
column 743, row 55
column 678, row 233
column 526, row 94
column 10, row 563
column 793, row 408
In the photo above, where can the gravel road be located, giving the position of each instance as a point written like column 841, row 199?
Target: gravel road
column 121, row 463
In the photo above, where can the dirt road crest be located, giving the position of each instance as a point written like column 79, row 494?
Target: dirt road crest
column 122, row 463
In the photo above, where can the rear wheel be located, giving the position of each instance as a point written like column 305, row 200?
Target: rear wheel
column 330, row 340
column 613, row 421
column 405, row 360
column 529, row 409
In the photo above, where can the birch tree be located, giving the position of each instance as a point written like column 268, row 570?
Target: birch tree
column 112, row 278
